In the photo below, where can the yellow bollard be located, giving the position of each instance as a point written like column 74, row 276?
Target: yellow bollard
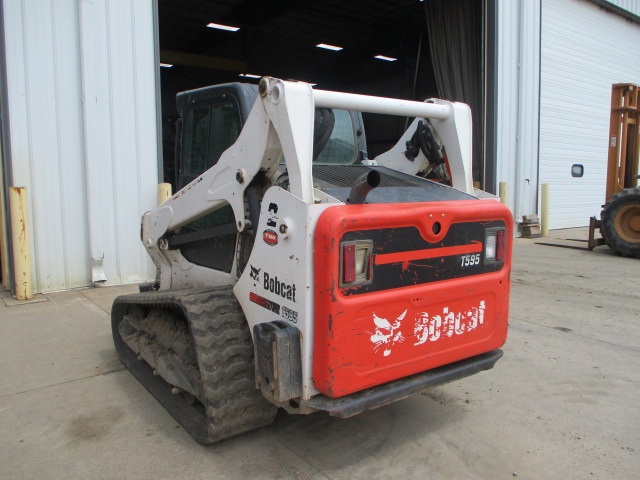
column 20, row 238
column 503, row 192
column 544, row 207
column 164, row 192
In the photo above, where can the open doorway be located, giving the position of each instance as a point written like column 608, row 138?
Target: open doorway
column 385, row 50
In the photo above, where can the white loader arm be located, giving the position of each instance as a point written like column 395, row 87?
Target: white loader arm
column 281, row 122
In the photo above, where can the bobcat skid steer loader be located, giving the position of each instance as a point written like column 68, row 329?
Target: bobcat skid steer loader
column 297, row 273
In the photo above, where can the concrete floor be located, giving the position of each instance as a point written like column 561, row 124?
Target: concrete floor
column 562, row 403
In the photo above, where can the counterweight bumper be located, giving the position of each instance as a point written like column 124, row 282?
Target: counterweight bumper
column 375, row 397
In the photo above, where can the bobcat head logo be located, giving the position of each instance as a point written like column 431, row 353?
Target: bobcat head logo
column 255, row 272
column 387, row 334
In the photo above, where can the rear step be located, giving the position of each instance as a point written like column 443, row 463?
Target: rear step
column 232, row 404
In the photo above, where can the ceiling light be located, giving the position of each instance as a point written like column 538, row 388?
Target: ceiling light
column 250, row 75
column 388, row 59
column 329, row 47
column 166, row 65
column 223, row 27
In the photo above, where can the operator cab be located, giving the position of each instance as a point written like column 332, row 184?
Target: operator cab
column 211, row 120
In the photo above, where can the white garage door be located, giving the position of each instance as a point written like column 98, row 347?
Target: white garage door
column 584, row 50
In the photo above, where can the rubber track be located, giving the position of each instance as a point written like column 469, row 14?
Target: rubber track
column 224, row 349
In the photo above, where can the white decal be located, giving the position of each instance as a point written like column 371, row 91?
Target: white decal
column 470, row 260
column 431, row 329
column 386, row 334
column 289, row 314
column 427, row 327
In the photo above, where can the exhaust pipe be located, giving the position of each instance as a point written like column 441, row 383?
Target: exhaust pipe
column 364, row 184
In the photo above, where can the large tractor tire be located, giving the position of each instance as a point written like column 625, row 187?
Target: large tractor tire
column 193, row 351
column 620, row 225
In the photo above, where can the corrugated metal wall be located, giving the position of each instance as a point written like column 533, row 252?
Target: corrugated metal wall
column 82, row 112
column 507, row 80
column 584, row 51
column 118, row 64
column 519, row 119
column 632, row 6
column 517, row 102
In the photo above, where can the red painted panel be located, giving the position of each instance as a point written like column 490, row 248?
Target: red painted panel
column 371, row 338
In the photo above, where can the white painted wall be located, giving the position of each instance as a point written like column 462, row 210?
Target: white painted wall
column 557, row 60
column 585, row 50
column 517, row 102
column 632, row 6
column 507, row 87
column 82, row 116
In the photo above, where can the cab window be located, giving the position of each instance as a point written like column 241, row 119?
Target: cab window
column 209, row 131
column 341, row 147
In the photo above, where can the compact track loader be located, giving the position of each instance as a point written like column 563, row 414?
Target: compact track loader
column 294, row 272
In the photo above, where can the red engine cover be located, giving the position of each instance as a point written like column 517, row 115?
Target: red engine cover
column 431, row 299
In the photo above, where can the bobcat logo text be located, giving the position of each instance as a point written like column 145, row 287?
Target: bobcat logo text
column 425, row 327
column 285, row 290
